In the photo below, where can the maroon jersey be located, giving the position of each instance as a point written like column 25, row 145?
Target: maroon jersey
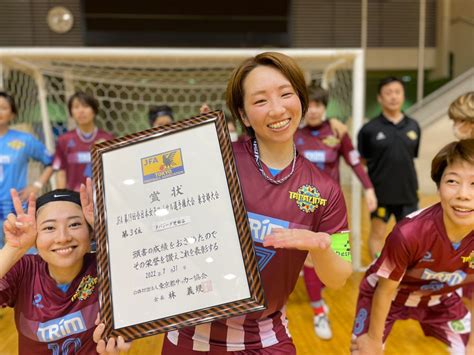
column 321, row 147
column 308, row 200
column 419, row 255
column 73, row 156
column 47, row 320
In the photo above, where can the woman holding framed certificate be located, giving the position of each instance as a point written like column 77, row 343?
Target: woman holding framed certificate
column 293, row 209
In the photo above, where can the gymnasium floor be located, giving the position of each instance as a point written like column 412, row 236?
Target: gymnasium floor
column 406, row 337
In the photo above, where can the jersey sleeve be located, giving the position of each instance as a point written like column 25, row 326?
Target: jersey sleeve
column 418, row 141
column 10, row 284
column 38, row 151
column 352, row 158
column 395, row 256
column 59, row 162
column 334, row 217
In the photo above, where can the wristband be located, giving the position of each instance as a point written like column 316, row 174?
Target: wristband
column 38, row 184
column 341, row 246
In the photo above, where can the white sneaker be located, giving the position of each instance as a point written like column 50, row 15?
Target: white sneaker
column 322, row 327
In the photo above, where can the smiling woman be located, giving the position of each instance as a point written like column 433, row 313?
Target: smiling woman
column 426, row 263
column 293, row 209
column 53, row 294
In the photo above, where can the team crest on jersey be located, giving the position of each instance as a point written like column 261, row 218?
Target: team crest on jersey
column 412, row 135
column 16, row 144
column 85, row 288
column 331, row 141
column 71, row 143
column 469, row 259
column 308, row 198
column 300, row 141
column 162, row 166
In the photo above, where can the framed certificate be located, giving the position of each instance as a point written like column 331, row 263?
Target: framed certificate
column 174, row 247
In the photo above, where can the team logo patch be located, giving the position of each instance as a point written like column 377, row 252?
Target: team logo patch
column 71, row 143
column 16, row 145
column 37, row 300
column 331, row 141
column 427, row 257
column 412, row 135
column 85, row 288
column 469, row 259
column 300, row 141
column 162, row 166
column 308, row 198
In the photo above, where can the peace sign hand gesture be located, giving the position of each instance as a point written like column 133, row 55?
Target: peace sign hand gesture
column 20, row 229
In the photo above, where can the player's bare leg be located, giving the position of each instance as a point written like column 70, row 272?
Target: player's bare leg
column 377, row 236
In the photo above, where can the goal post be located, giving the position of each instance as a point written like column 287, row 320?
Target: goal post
column 128, row 81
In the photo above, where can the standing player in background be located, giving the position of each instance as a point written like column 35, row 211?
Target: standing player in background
column 319, row 144
column 268, row 94
column 425, row 259
column 389, row 143
column 16, row 149
column 160, row 115
column 461, row 111
column 73, row 159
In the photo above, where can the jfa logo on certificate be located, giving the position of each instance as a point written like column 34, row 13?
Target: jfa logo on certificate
column 162, row 166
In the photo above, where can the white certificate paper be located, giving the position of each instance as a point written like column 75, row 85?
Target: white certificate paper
column 173, row 245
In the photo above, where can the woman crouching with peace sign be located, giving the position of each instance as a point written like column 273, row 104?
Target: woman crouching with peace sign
column 54, row 294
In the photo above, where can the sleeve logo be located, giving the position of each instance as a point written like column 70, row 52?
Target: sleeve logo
column 412, row 135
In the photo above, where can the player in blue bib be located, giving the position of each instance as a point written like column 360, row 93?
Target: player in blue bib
column 16, row 149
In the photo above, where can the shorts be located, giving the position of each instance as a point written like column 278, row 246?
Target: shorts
column 284, row 348
column 384, row 212
column 449, row 321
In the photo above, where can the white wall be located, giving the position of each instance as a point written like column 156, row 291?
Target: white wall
column 462, row 35
column 433, row 138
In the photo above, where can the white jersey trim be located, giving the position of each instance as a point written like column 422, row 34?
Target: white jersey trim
column 201, row 336
column 267, row 334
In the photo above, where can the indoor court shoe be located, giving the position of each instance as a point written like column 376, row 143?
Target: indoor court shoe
column 322, row 327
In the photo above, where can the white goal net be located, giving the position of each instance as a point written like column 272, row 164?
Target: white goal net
column 127, row 82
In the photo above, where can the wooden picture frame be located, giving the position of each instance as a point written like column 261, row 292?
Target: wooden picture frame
column 174, row 248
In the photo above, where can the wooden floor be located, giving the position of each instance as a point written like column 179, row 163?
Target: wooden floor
column 406, row 337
